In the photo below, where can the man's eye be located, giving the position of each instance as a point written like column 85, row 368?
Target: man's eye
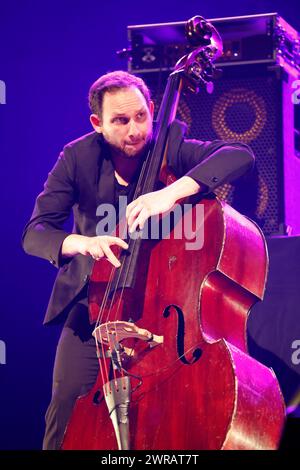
column 121, row 120
column 141, row 115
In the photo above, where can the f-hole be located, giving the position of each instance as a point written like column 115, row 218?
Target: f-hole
column 197, row 353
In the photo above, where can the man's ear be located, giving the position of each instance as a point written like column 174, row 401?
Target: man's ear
column 151, row 108
column 96, row 123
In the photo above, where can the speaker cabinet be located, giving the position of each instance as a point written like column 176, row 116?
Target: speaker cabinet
column 251, row 104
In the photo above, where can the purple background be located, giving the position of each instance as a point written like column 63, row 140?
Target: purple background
column 51, row 52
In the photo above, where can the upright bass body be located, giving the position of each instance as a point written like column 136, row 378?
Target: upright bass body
column 193, row 385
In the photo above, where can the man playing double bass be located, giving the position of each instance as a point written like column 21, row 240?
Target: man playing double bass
column 97, row 169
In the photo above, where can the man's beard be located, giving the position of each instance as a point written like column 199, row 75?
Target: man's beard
column 117, row 150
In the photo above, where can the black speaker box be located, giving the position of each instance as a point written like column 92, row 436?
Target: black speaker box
column 251, row 104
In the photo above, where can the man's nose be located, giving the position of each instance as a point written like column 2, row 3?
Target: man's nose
column 134, row 130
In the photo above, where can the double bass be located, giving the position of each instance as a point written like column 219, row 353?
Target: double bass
column 170, row 323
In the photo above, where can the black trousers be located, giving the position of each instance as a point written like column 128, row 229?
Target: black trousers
column 75, row 371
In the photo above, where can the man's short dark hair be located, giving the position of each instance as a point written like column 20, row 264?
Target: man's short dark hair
column 111, row 82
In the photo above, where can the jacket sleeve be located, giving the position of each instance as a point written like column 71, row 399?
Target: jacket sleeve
column 44, row 234
column 210, row 164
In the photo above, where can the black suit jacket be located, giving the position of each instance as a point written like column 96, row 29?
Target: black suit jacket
column 83, row 178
